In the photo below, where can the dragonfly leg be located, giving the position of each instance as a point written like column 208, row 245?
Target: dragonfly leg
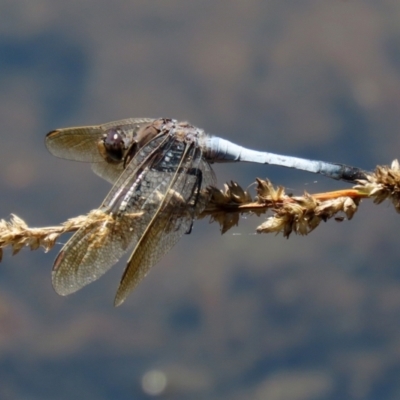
column 195, row 193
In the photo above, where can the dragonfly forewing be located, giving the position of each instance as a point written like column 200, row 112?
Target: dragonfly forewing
column 98, row 245
column 81, row 144
column 76, row 143
column 174, row 217
column 165, row 233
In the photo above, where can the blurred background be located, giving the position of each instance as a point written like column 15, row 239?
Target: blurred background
column 238, row 316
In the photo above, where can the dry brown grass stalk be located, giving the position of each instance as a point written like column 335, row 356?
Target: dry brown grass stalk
column 17, row 234
column 298, row 214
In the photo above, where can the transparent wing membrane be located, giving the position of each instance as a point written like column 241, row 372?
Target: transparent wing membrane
column 171, row 220
column 81, row 144
column 151, row 205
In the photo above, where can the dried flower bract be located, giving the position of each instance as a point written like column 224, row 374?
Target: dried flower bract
column 303, row 214
column 383, row 184
column 300, row 214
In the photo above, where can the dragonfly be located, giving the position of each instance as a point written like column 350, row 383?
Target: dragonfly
column 160, row 169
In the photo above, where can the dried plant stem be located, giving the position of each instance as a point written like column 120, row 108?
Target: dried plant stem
column 352, row 193
column 298, row 214
column 17, row 234
column 301, row 214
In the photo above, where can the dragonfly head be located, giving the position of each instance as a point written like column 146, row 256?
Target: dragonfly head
column 120, row 145
column 113, row 145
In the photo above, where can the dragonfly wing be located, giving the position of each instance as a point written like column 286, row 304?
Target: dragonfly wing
column 99, row 244
column 91, row 252
column 164, row 234
column 127, row 124
column 80, row 143
column 107, row 171
column 77, row 143
column 173, row 218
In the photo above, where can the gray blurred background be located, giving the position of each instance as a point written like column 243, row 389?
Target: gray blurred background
column 239, row 316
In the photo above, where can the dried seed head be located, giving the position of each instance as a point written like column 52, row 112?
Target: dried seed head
column 267, row 192
column 232, row 193
column 303, row 214
column 226, row 220
column 218, row 197
column 383, row 184
column 237, row 194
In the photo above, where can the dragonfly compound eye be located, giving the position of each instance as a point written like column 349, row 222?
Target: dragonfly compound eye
column 114, row 145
